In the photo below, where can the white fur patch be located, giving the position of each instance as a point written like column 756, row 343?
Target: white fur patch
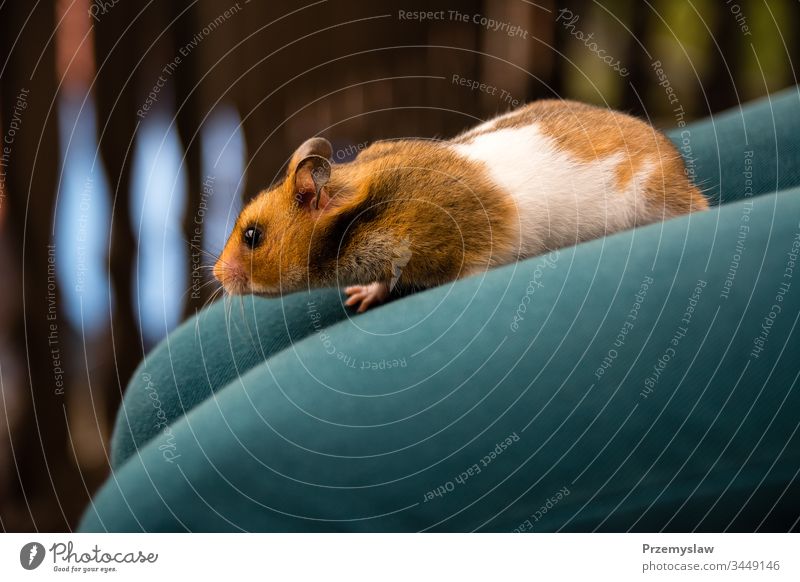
column 560, row 200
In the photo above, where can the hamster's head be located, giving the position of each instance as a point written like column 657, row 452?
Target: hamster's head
column 268, row 251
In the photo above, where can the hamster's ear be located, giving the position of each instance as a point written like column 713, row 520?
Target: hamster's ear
column 316, row 146
column 312, row 170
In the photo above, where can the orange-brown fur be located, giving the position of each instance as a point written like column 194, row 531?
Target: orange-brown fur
column 422, row 200
column 413, row 195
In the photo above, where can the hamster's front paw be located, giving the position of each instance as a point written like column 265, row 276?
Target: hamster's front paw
column 367, row 295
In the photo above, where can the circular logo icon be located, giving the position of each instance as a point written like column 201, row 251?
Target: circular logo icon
column 31, row 555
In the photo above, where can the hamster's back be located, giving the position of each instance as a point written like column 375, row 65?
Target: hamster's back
column 577, row 172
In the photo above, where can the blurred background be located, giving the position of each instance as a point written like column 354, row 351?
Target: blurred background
column 132, row 132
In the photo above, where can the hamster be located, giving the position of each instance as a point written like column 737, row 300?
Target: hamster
column 412, row 213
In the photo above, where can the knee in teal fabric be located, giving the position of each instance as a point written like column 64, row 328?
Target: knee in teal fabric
column 209, row 351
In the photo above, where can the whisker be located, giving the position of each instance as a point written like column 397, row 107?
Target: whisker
column 206, row 304
column 209, row 282
column 215, row 256
column 193, row 289
column 213, row 297
column 244, row 319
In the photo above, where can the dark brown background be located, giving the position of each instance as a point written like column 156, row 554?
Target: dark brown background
column 349, row 69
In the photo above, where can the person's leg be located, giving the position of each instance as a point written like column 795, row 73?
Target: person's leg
column 209, row 351
column 746, row 151
column 646, row 381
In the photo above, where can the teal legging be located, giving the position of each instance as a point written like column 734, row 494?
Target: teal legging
column 646, row 381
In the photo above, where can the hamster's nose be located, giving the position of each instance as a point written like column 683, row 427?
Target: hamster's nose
column 230, row 272
column 218, row 271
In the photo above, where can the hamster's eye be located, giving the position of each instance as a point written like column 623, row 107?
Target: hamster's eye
column 252, row 236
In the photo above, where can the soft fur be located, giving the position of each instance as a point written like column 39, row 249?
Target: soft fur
column 420, row 213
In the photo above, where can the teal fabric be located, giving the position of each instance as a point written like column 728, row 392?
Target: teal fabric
column 645, row 381
column 208, row 352
column 764, row 131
